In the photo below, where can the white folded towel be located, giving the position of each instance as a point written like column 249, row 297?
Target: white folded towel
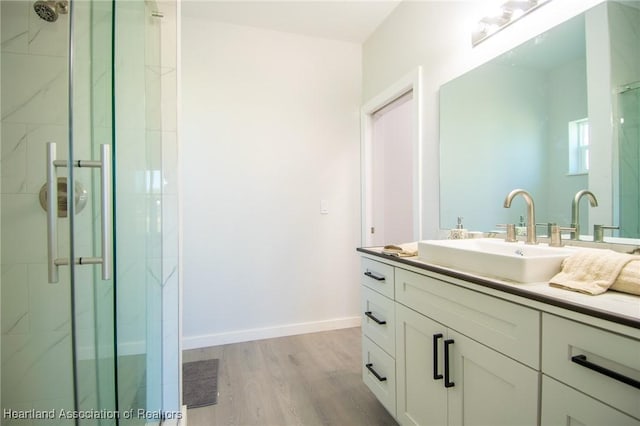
column 401, row 250
column 629, row 279
column 591, row 271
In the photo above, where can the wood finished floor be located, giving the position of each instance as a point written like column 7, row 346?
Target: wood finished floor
column 309, row 379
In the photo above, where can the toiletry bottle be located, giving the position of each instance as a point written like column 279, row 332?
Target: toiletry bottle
column 459, row 233
column 521, row 229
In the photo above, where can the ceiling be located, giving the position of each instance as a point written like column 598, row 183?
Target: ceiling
column 352, row 21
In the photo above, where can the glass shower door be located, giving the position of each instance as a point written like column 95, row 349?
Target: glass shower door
column 138, row 187
column 116, row 109
column 58, row 352
column 115, row 78
column 120, row 316
column 629, row 160
column 91, row 143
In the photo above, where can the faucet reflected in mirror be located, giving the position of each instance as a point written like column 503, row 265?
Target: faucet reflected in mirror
column 531, row 215
column 554, row 230
column 518, row 123
column 575, row 211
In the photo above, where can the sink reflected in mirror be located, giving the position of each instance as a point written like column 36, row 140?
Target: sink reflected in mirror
column 495, row 258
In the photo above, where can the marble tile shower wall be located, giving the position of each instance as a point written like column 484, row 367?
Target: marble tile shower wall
column 36, row 334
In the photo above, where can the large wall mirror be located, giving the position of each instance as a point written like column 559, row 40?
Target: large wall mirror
column 557, row 114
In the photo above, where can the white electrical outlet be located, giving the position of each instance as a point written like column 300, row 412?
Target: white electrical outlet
column 324, row 207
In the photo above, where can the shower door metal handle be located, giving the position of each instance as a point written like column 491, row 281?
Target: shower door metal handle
column 52, row 214
column 105, row 204
column 53, row 261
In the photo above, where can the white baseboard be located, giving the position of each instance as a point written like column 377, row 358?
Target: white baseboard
column 183, row 420
column 202, row 341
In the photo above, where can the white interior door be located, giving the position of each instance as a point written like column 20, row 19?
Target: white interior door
column 391, row 164
column 392, row 173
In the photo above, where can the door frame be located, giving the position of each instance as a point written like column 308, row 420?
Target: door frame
column 411, row 82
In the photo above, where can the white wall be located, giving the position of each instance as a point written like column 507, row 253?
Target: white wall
column 437, row 36
column 600, row 110
column 271, row 128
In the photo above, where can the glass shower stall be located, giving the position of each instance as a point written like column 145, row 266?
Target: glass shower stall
column 629, row 159
column 88, row 213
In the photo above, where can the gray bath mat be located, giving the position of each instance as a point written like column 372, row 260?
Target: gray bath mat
column 200, row 383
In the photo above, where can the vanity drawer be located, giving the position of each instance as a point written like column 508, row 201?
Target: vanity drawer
column 379, row 374
column 564, row 342
column 562, row 405
column 378, row 276
column 378, row 321
column 506, row 327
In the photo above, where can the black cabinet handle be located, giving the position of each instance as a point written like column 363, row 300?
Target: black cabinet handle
column 375, row 373
column 447, row 382
column 582, row 360
column 436, row 337
column 375, row 276
column 377, row 321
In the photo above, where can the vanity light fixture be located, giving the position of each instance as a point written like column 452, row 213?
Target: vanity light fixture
column 508, row 13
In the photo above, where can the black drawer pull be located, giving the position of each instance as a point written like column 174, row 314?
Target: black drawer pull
column 447, row 382
column 379, row 377
column 582, row 360
column 436, row 375
column 370, row 315
column 374, row 275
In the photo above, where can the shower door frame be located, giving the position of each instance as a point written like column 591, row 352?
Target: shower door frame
column 90, row 82
column 619, row 193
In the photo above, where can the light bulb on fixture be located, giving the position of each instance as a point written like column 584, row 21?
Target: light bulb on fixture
column 495, row 11
column 516, row 14
column 507, row 14
column 490, row 29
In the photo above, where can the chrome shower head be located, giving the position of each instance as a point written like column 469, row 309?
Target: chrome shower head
column 49, row 10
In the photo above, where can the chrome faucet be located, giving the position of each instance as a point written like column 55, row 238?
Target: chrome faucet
column 575, row 210
column 531, row 215
column 598, row 232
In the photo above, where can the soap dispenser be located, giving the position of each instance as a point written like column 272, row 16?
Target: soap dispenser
column 521, row 229
column 459, row 233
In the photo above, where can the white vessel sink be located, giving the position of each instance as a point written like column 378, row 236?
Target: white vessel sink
column 496, row 258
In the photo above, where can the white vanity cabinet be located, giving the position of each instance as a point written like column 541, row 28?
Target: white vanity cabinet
column 455, row 350
column 445, row 377
column 585, row 366
column 378, row 276
column 562, row 406
column 422, row 397
column 378, row 331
